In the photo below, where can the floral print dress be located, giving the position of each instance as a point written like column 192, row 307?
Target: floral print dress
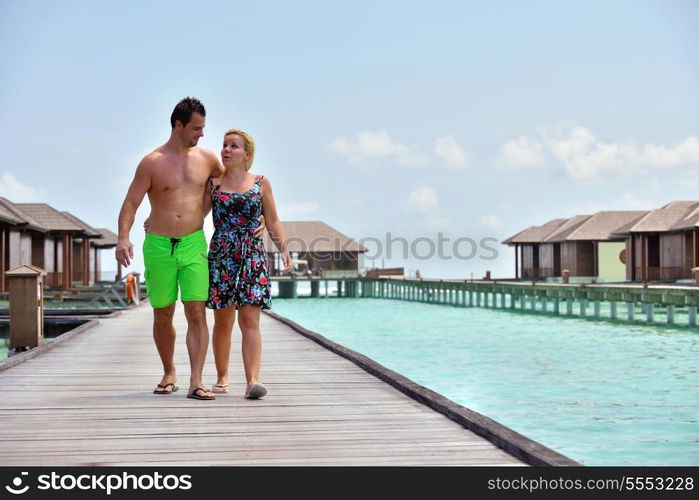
column 238, row 265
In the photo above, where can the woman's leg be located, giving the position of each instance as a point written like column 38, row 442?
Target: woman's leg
column 249, row 321
column 223, row 328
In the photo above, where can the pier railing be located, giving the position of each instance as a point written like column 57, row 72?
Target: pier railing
column 598, row 301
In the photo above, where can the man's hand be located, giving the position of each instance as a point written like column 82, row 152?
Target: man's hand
column 146, row 224
column 261, row 228
column 124, row 252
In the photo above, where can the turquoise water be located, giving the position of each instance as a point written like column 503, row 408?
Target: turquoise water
column 601, row 393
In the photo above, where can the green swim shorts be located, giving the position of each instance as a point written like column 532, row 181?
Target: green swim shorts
column 170, row 261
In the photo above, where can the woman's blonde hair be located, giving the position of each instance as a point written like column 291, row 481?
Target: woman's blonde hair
column 249, row 144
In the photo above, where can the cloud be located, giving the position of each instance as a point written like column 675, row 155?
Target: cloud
column 422, row 200
column 491, row 221
column 370, row 146
column 587, row 159
column 287, row 212
column 684, row 153
column 522, row 153
column 450, row 151
column 15, row 191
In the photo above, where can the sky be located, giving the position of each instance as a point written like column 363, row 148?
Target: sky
column 435, row 129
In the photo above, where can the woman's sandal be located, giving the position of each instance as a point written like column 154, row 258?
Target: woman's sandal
column 219, row 388
column 255, row 391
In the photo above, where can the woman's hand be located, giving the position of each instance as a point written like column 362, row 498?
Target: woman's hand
column 146, row 224
column 286, row 259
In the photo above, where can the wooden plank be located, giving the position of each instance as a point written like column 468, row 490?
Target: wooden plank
column 89, row 402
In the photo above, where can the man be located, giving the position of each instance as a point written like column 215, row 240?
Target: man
column 175, row 177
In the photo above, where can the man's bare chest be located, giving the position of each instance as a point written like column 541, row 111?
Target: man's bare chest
column 181, row 178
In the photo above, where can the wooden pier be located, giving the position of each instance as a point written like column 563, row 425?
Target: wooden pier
column 88, row 401
column 623, row 302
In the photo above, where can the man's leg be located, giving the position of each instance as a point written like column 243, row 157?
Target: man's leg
column 161, row 282
column 164, row 336
column 197, row 343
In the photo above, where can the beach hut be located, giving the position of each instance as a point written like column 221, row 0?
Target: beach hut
column 527, row 244
column 328, row 252
column 661, row 245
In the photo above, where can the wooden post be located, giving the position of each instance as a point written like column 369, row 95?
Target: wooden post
column 612, row 311
column 649, row 313
column 26, row 306
column 85, row 261
column 569, row 307
column 556, row 306
column 629, row 311
column 3, row 264
column 596, row 306
column 67, row 281
column 670, row 314
column 692, row 318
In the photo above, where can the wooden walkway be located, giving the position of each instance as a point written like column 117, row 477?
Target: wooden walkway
column 88, row 401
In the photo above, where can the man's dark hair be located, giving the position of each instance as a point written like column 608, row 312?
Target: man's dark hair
column 184, row 109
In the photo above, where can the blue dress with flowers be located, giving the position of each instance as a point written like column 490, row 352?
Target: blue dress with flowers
column 238, row 265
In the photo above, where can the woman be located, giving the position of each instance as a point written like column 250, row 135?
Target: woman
column 238, row 265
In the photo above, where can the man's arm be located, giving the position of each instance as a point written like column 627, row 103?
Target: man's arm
column 139, row 187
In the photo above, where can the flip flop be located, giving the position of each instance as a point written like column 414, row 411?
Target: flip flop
column 194, row 395
column 255, row 391
column 174, row 388
column 220, row 388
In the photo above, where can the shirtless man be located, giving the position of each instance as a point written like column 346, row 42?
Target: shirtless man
column 175, row 178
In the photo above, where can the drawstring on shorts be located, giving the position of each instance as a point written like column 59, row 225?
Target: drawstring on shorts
column 174, row 242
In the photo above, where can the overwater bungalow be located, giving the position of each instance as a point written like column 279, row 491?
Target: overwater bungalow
column 593, row 250
column 326, row 251
column 556, row 253
column 664, row 243
column 82, row 257
column 584, row 245
column 58, row 242
column 527, row 243
column 58, row 256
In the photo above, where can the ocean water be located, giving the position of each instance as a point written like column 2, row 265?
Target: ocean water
column 599, row 392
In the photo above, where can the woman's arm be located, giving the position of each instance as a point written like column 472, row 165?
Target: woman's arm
column 274, row 225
